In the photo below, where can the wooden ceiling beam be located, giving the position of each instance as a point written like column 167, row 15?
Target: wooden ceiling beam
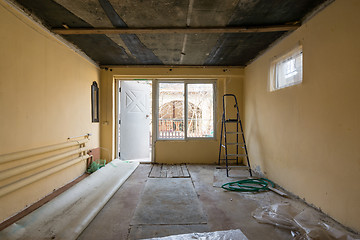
column 252, row 29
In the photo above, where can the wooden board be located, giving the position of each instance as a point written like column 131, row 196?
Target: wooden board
column 169, row 171
column 217, row 30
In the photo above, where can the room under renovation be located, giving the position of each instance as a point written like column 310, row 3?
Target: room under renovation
column 173, row 120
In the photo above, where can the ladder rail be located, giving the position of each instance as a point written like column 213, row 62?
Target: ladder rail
column 222, row 123
column 226, row 150
column 224, row 133
column 245, row 148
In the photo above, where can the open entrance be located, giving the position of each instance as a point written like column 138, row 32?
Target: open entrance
column 135, row 120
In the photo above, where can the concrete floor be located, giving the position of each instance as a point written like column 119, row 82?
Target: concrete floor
column 224, row 210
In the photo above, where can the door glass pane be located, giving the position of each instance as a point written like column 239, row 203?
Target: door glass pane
column 171, row 111
column 200, row 110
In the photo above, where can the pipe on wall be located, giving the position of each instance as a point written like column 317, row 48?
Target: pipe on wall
column 85, row 135
column 32, row 152
column 33, row 165
column 33, row 178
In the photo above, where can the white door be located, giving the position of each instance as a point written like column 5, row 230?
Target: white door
column 135, row 119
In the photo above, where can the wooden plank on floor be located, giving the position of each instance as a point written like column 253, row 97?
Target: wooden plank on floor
column 163, row 172
column 174, row 173
column 155, row 171
column 170, row 172
column 185, row 170
column 179, row 171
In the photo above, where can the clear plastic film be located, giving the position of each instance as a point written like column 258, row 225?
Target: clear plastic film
column 219, row 235
column 304, row 225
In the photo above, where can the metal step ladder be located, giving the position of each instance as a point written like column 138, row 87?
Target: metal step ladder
column 226, row 141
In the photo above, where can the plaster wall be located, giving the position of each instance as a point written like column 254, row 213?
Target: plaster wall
column 44, row 99
column 306, row 137
column 205, row 151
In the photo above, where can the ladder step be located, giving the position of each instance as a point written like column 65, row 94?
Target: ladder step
column 236, row 155
column 231, row 120
column 229, row 159
column 239, row 167
column 239, row 144
column 234, row 132
column 233, row 166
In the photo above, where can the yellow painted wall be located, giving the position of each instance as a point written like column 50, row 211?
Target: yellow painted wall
column 229, row 80
column 44, row 99
column 306, row 137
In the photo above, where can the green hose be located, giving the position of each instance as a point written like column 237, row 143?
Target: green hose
column 249, row 185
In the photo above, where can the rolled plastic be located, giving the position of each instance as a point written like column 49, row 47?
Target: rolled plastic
column 67, row 215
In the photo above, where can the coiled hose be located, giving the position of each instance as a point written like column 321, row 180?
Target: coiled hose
column 249, row 185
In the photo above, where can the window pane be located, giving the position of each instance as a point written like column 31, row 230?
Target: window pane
column 171, row 110
column 200, row 110
column 289, row 70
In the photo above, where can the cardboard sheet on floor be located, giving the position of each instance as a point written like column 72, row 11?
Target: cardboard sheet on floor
column 219, row 235
column 169, row 201
column 66, row 216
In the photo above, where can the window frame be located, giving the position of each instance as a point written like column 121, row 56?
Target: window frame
column 273, row 79
column 186, row 82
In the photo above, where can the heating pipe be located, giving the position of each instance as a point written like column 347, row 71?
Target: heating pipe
column 30, row 166
column 85, row 135
column 33, row 178
column 29, row 153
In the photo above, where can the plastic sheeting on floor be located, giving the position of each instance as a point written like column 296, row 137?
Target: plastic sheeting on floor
column 304, row 225
column 66, row 216
column 219, row 235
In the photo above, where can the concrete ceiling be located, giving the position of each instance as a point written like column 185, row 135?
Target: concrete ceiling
column 201, row 49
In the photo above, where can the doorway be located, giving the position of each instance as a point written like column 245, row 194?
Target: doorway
column 134, row 127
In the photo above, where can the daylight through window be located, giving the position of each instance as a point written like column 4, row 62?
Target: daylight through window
column 178, row 101
column 287, row 70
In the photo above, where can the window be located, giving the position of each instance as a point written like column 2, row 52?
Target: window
column 193, row 101
column 287, row 70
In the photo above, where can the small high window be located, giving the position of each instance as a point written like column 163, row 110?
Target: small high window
column 287, row 70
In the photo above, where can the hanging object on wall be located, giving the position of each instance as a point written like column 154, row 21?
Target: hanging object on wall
column 94, row 102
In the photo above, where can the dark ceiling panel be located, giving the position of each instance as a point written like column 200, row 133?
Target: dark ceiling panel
column 52, row 14
column 171, row 49
column 214, row 13
column 152, row 13
column 55, row 15
column 240, row 49
column 159, row 48
column 136, row 47
column 167, row 47
column 102, row 50
column 265, row 12
column 197, row 48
